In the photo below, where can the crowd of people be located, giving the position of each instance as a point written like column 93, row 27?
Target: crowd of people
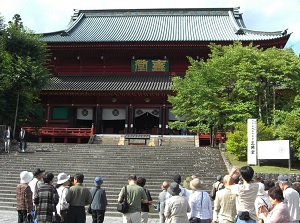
column 38, row 200
column 236, row 197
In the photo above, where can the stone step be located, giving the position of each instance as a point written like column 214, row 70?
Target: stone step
column 113, row 164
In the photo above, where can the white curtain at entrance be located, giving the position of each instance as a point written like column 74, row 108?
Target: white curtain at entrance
column 141, row 111
column 173, row 117
column 85, row 113
column 113, row 114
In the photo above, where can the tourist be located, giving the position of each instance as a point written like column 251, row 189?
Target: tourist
column 35, row 184
column 162, row 201
column 200, row 203
column 279, row 212
column 141, row 181
column 268, row 184
column 184, row 192
column 218, row 185
column 186, row 185
column 6, row 137
column 262, row 198
column 177, row 207
column 291, row 198
column 24, row 197
column 22, row 136
column 224, row 204
column 78, row 197
column 62, row 187
column 246, row 194
column 46, row 199
column 99, row 201
column 135, row 196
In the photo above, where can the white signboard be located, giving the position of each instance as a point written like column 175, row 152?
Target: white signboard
column 252, row 141
column 113, row 114
column 85, row 113
column 276, row 149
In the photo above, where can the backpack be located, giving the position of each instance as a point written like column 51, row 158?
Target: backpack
column 214, row 191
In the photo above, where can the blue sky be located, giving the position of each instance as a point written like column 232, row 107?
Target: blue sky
column 53, row 15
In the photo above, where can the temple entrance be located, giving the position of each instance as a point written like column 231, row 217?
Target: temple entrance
column 146, row 121
column 113, row 120
column 113, row 126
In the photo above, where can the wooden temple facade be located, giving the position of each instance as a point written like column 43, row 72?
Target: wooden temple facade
column 114, row 68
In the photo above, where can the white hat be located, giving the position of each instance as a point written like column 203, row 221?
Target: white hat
column 261, row 189
column 62, row 177
column 25, row 177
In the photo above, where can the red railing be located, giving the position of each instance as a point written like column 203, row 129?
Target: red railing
column 57, row 132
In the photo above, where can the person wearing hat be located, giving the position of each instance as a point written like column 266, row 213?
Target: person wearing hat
column 262, row 198
column 37, row 181
column 291, row 198
column 35, row 184
column 177, row 207
column 24, row 196
column 62, row 187
column 99, row 202
column 200, row 203
column 186, row 185
column 46, row 199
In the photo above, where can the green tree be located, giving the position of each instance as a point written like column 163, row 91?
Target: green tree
column 235, row 83
column 290, row 130
column 237, row 141
column 23, row 71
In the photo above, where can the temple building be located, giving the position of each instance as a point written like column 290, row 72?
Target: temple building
column 114, row 68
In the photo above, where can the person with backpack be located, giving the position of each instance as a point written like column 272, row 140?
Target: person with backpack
column 141, row 181
column 218, row 185
column 99, row 201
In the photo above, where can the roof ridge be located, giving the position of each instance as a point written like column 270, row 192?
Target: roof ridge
column 271, row 33
column 152, row 12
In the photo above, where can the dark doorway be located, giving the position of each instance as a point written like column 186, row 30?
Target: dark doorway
column 84, row 123
column 146, row 124
column 113, row 126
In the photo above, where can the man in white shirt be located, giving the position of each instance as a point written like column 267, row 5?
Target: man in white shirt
column 246, row 195
column 184, row 192
column 291, row 198
column 224, row 204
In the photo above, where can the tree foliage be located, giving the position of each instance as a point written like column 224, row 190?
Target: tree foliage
column 237, row 141
column 290, row 130
column 22, row 68
column 235, row 83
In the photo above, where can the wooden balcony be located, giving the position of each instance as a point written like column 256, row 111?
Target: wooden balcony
column 57, row 132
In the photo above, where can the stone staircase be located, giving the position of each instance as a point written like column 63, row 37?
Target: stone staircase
column 113, row 163
column 155, row 140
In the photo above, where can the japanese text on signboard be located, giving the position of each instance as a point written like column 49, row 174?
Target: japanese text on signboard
column 143, row 65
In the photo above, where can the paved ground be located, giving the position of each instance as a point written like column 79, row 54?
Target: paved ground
column 12, row 216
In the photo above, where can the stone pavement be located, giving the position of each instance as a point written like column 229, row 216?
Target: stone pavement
column 12, row 217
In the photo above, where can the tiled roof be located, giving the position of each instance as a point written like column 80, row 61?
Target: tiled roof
column 158, row 82
column 146, row 25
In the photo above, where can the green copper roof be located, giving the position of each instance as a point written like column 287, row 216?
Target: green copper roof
column 157, row 25
column 132, row 83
